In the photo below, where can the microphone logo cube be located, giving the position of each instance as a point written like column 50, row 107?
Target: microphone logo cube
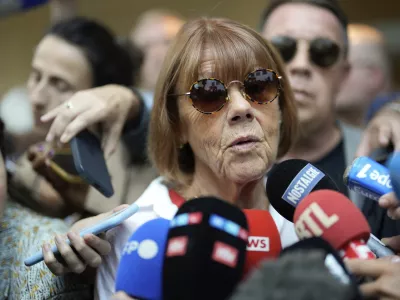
column 382, row 178
column 177, row 246
column 225, row 254
column 258, row 243
column 302, row 184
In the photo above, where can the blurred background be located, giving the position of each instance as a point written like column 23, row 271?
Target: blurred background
column 19, row 33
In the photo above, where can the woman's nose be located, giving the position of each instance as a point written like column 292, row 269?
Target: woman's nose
column 38, row 95
column 240, row 109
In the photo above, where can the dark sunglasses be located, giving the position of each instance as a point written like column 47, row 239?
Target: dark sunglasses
column 323, row 52
column 209, row 95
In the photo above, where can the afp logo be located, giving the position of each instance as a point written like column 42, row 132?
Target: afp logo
column 383, row 178
column 258, row 243
column 146, row 249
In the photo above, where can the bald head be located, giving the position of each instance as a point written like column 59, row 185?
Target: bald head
column 370, row 70
column 362, row 33
column 153, row 33
column 155, row 26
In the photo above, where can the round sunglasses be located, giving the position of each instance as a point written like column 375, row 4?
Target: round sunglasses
column 209, row 95
column 322, row 51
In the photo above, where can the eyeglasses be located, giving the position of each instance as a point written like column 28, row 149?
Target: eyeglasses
column 323, row 52
column 209, row 95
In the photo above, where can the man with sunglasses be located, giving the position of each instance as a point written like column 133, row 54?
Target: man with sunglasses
column 311, row 36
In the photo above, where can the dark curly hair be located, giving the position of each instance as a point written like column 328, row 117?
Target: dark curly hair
column 110, row 61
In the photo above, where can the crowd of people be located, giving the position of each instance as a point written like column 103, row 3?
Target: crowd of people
column 196, row 107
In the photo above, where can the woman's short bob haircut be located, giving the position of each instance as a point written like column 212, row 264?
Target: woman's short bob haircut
column 238, row 50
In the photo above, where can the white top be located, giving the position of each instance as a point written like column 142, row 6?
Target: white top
column 156, row 203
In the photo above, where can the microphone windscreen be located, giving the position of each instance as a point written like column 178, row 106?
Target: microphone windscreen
column 292, row 180
column 332, row 216
column 139, row 272
column 264, row 239
column 368, row 178
column 333, row 261
column 301, row 273
column 394, row 169
column 206, row 250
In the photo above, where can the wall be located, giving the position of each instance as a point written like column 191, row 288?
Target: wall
column 19, row 33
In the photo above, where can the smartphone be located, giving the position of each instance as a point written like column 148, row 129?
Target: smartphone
column 104, row 225
column 89, row 162
column 62, row 163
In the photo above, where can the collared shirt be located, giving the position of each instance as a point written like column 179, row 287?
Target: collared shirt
column 156, row 203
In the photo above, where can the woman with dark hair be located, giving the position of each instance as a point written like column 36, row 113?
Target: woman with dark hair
column 81, row 66
column 21, row 231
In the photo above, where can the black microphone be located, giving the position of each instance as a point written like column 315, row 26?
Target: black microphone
column 206, row 250
column 292, row 180
column 308, row 270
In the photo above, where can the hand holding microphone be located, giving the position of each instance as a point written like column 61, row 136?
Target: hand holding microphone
column 386, row 273
column 332, row 216
column 391, row 201
column 292, row 180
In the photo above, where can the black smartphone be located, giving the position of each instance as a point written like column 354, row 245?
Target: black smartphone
column 90, row 163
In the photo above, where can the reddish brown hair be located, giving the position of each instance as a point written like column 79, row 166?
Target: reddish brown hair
column 238, row 50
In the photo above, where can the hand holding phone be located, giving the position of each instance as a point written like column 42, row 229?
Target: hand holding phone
column 105, row 224
column 81, row 161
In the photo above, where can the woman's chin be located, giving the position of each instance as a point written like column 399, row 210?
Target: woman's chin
column 246, row 172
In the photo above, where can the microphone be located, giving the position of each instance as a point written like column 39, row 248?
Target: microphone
column 288, row 176
column 394, row 169
column 206, row 250
column 368, row 178
column 332, row 216
column 332, row 261
column 264, row 241
column 292, row 180
column 139, row 272
column 308, row 270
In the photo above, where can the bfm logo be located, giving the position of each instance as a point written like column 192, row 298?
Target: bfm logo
column 258, row 243
column 306, row 225
column 382, row 179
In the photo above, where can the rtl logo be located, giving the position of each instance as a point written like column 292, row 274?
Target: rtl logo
column 307, row 226
column 258, row 243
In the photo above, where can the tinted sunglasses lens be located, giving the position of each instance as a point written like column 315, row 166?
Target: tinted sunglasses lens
column 208, row 95
column 286, row 46
column 262, row 86
column 324, row 52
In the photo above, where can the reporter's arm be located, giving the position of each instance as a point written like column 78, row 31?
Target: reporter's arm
column 134, row 133
column 109, row 105
column 392, row 204
column 84, row 252
column 386, row 274
column 382, row 130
